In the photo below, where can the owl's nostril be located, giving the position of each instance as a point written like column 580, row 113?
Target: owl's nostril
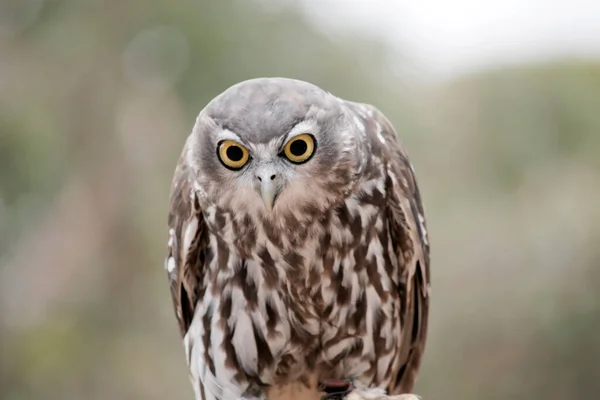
column 266, row 177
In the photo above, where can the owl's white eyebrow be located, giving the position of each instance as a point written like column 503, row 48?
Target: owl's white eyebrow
column 306, row 126
column 226, row 134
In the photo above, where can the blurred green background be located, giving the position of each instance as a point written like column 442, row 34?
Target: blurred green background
column 96, row 100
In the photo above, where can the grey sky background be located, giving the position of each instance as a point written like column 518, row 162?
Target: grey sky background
column 442, row 38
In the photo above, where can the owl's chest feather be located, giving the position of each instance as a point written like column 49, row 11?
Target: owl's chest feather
column 283, row 301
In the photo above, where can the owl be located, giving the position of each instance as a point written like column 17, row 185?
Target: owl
column 298, row 255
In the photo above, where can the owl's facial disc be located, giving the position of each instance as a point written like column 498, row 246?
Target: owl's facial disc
column 275, row 148
column 268, row 168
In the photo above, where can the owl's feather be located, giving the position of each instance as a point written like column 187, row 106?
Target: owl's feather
column 338, row 290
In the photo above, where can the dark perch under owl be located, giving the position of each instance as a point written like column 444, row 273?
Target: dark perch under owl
column 298, row 256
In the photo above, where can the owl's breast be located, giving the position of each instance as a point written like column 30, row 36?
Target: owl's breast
column 356, row 295
column 321, row 295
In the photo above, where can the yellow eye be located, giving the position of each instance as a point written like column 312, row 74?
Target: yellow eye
column 232, row 154
column 300, row 148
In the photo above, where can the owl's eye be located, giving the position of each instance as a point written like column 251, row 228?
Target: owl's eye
column 300, row 148
column 232, row 155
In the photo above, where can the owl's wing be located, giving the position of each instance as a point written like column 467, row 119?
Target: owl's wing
column 407, row 227
column 186, row 247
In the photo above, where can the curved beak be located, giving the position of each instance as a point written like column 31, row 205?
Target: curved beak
column 269, row 181
column 268, row 192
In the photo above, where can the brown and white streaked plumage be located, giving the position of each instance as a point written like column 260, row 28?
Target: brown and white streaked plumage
column 301, row 272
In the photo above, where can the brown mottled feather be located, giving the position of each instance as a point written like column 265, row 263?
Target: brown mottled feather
column 403, row 208
column 185, row 278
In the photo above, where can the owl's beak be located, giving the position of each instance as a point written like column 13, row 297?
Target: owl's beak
column 268, row 192
column 270, row 185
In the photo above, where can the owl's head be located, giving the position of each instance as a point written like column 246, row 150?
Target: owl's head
column 273, row 146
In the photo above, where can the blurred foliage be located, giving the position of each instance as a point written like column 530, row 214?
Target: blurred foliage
column 515, row 224
column 96, row 99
